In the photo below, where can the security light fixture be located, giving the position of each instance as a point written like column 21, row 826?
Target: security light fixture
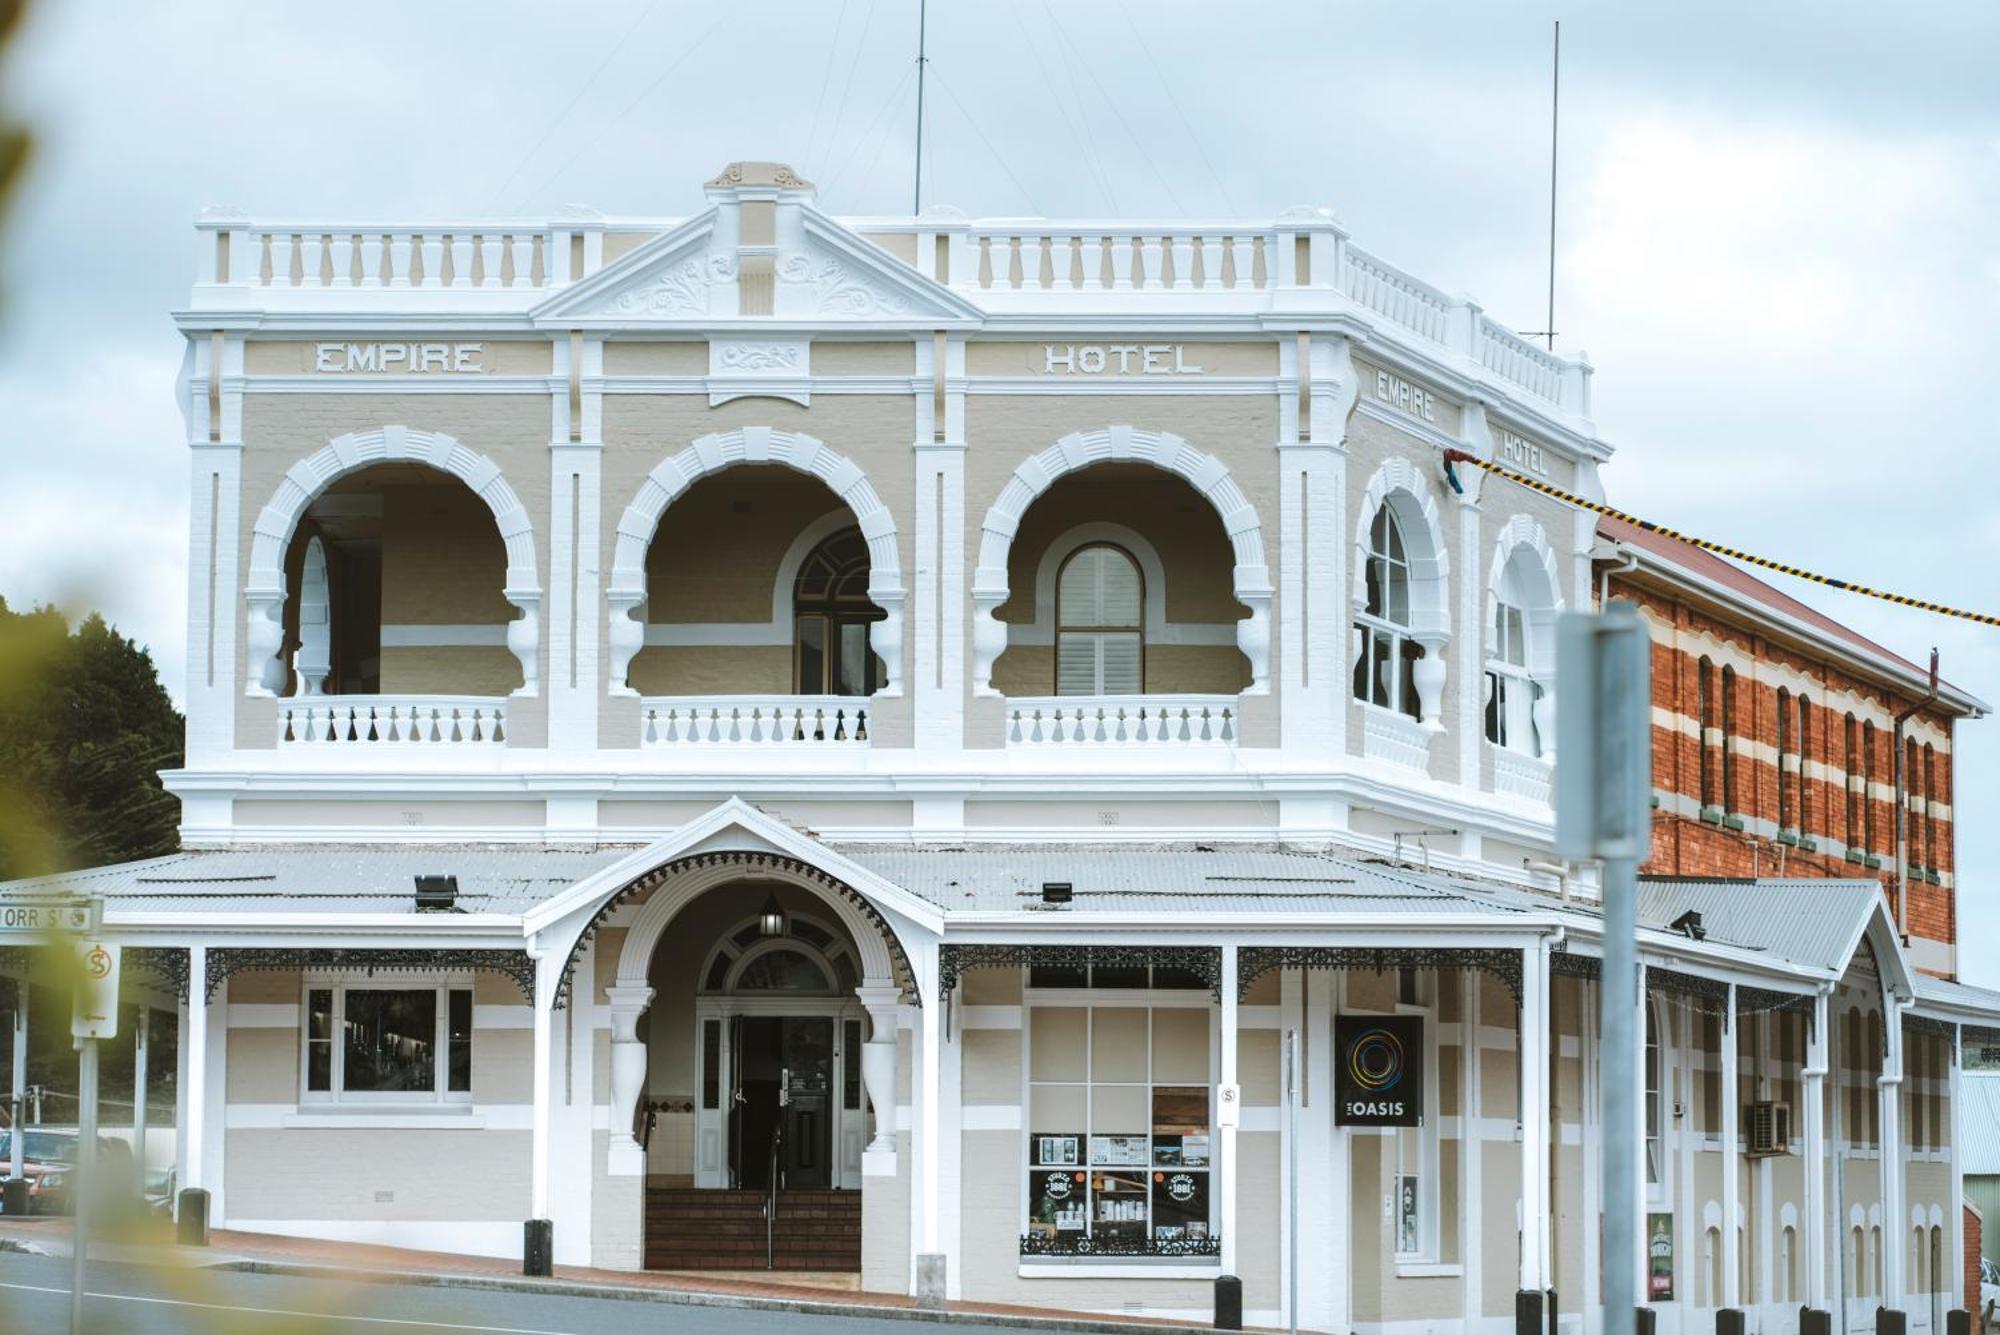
column 437, row 894
column 1056, row 892
column 1689, row 925
column 771, row 922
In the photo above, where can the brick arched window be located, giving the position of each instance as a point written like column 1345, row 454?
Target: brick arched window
column 1787, row 773
column 1868, row 844
column 1729, row 802
column 1930, row 818
column 1805, row 786
column 1848, row 772
column 1704, row 708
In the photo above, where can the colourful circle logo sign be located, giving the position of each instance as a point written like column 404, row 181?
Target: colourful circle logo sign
column 1375, row 1061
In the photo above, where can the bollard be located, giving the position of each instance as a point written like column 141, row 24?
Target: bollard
column 1729, row 1321
column 1891, row 1321
column 1228, row 1303
column 1815, row 1321
column 1958, row 1321
column 931, row 1291
column 192, row 1229
column 14, row 1197
column 1528, row 1312
column 1555, row 1318
column 1646, row 1323
column 538, row 1247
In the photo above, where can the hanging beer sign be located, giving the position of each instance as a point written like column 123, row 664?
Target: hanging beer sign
column 1378, row 1070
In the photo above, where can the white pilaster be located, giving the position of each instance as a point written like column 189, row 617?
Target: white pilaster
column 1732, row 1158
column 938, row 565
column 573, row 1147
column 215, row 1100
column 1226, row 1119
column 215, row 502
column 1642, row 1194
column 1956, row 1231
column 1322, row 1221
column 1471, row 1159
column 1472, row 628
column 575, row 614
column 1814, row 1232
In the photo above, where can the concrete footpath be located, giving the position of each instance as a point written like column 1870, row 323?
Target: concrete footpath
column 271, row 1254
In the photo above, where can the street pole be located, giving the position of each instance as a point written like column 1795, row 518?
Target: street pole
column 85, row 1183
column 19, row 1101
column 141, row 1036
column 1292, row 1175
column 1604, row 810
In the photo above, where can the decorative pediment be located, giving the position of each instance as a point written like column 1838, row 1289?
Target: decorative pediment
column 839, row 275
column 669, row 278
column 818, row 272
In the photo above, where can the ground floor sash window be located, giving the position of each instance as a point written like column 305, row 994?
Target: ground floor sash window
column 368, row 1043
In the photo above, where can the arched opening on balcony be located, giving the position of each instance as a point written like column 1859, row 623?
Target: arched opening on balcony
column 761, row 622
column 1122, row 629
column 415, row 615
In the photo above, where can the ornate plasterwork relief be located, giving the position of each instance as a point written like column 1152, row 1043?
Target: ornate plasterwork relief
column 678, row 289
column 832, row 286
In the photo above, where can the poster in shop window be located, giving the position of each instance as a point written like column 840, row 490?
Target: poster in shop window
column 1659, row 1258
column 1378, row 1070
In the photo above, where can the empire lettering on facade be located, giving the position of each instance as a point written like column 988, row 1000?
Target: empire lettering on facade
column 1400, row 393
column 1097, row 358
column 414, row 358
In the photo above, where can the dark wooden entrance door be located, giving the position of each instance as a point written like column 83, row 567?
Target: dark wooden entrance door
column 784, row 1066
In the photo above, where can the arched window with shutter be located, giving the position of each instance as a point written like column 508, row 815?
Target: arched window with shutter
column 1100, row 641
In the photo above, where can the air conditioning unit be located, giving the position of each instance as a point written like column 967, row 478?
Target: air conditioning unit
column 1770, row 1128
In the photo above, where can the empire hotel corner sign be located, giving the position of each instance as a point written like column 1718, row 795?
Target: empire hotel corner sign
column 1378, row 1070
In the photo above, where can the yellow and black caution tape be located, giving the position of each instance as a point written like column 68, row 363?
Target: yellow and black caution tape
column 1763, row 563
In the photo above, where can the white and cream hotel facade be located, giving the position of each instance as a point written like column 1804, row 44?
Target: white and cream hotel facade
column 937, row 706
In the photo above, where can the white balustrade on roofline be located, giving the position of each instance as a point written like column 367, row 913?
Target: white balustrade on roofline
column 413, row 721
column 1163, row 721
column 997, row 259
column 754, row 720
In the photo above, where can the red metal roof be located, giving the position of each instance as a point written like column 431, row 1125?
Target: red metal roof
column 1739, row 581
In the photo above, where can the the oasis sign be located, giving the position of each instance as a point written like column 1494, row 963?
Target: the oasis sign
column 1378, row 1070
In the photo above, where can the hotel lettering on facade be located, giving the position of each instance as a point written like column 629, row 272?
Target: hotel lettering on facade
column 912, row 711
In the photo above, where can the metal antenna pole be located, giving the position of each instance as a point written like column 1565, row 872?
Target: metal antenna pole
column 1555, row 110
column 923, row 15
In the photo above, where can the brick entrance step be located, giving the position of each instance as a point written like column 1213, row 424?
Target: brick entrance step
column 695, row 1228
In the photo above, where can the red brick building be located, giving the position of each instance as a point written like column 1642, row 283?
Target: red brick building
column 1775, row 739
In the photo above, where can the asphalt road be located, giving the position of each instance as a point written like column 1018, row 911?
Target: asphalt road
column 149, row 1300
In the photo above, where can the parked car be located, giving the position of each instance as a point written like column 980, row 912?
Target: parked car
column 48, row 1162
column 1989, row 1290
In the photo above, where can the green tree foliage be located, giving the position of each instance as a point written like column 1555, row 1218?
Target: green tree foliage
column 85, row 726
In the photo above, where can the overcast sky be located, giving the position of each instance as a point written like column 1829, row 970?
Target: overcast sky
column 1777, row 230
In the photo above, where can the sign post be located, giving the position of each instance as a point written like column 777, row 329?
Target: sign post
column 93, row 1016
column 1604, row 810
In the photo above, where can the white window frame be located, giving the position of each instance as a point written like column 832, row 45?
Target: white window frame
column 338, row 1095
column 1370, row 627
column 1087, row 999
column 1096, row 634
column 1511, row 682
column 1656, row 1096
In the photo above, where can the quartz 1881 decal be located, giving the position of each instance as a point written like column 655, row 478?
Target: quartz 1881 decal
column 1378, row 1070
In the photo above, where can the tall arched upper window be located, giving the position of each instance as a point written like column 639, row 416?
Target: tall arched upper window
column 1382, row 673
column 1704, row 708
column 1100, row 643
column 1510, row 692
column 1788, row 773
column 1729, row 740
column 1930, row 818
column 1868, row 844
column 1849, row 771
column 1655, row 1119
column 830, row 618
column 1805, row 785
column 1518, row 652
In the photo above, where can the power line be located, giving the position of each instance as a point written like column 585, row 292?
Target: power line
column 847, row 86
column 729, row 9
column 948, row 92
column 871, row 133
column 1082, row 120
column 563, row 115
column 1167, row 87
column 825, row 82
column 1719, row 549
column 1055, row 96
column 1173, row 196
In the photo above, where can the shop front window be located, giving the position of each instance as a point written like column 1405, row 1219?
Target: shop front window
column 367, row 1044
column 1120, row 1145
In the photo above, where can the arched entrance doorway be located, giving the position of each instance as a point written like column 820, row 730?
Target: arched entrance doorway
column 754, row 1019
